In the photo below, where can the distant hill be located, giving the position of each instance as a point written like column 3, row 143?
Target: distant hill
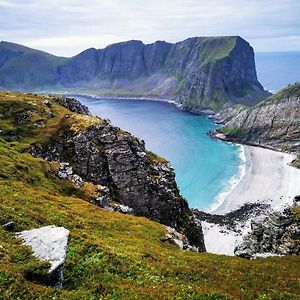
column 200, row 73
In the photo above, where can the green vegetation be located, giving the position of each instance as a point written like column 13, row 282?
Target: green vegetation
column 296, row 162
column 215, row 48
column 110, row 255
column 155, row 158
column 232, row 131
column 292, row 90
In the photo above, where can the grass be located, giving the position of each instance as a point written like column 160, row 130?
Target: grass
column 154, row 158
column 296, row 162
column 232, row 131
column 216, row 48
column 110, row 255
column 292, row 90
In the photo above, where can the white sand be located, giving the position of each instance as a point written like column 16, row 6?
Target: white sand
column 267, row 178
column 219, row 240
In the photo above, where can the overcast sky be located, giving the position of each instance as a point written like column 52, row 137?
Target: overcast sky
column 70, row 26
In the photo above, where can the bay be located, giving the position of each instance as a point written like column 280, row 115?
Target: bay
column 203, row 165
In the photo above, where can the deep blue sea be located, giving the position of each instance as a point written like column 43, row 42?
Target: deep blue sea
column 278, row 69
column 205, row 168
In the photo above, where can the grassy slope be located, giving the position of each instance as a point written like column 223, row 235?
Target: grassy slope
column 292, row 90
column 111, row 255
column 215, row 48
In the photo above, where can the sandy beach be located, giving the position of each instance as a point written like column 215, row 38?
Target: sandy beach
column 267, row 178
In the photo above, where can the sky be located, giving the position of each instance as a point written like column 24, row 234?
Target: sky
column 68, row 27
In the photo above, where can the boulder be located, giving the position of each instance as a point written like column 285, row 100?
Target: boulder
column 49, row 243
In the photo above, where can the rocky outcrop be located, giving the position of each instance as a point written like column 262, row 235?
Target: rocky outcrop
column 178, row 239
column 200, row 73
column 275, row 234
column 49, row 243
column 273, row 123
column 72, row 104
column 92, row 150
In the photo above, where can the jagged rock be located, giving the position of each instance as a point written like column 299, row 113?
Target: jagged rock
column 49, row 243
column 122, row 208
column 66, row 172
column 72, row 105
column 174, row 237
column 276, row 234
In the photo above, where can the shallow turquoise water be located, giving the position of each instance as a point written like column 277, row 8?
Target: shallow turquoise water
column 203, row 166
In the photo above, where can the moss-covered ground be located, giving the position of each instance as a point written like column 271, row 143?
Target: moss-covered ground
column 110, row 255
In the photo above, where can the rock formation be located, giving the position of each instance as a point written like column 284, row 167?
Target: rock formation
column 274, row 123
column 275, row 234
column 200, row 73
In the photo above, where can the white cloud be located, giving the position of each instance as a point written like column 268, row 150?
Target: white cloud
column 65, row 27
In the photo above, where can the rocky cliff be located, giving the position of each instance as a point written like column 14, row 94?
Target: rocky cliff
column 273, row 123
column 91, row 151
column 200, row 73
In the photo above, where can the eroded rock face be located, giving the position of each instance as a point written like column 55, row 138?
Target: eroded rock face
column 49, row 243
column 274, row 123
column 275, row 234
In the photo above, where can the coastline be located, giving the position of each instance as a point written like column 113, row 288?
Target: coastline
column 231, row 184
column 245, row 185
column 268, row 179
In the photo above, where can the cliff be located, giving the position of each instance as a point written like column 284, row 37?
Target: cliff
column 114, row 162
column 273, row 123
column 200, row 73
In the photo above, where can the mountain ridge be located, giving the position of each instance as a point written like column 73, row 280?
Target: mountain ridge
column 199, row 72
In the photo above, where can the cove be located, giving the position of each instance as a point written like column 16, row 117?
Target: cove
column 205, row 168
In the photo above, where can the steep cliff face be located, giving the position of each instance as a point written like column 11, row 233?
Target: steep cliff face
column 113, row 162
column 273, row 123
column 200, row 73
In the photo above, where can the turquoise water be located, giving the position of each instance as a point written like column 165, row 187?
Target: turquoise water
column 203, row 166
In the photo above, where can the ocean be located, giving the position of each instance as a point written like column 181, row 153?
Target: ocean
column 275, row 70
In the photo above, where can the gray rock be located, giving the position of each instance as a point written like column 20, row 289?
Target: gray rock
column 274, row 123
column 274, row 234
column 174, row 237
column 48, row 243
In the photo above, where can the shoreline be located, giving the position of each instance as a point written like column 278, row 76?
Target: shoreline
column 232, row 183
column 268, row 179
